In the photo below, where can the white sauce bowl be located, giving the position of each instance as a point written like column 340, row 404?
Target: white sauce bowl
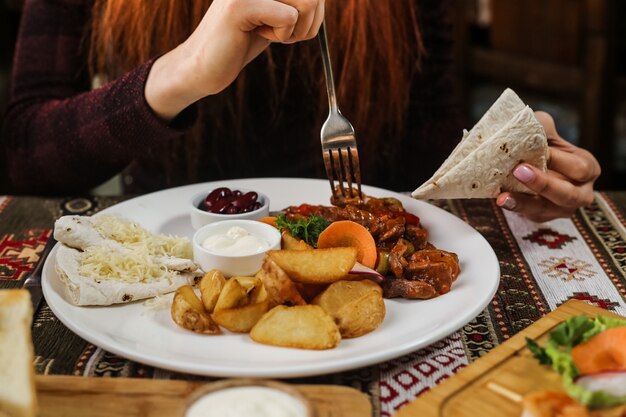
column 250, row 398
column 234, row 264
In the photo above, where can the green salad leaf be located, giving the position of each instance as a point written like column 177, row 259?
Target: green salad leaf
column 306, row 228
column 602, row 323
column 557, row 353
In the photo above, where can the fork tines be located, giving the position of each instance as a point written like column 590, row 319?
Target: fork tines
column 342, row 165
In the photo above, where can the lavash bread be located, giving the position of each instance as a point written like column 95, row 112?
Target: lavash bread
column 481, row 164
column 17, row 378
column 85, row 291
column 119, row 263
column 80, row 233
column 500, row 112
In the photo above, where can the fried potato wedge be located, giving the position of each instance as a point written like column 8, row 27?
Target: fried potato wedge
column 301, row 327
column 319, row 266
column 232, row 295
column 188, row 312
column 280, row 288
column 249, row 284
column 255, row 290
column 241, row 319
column 211, row 286
column 356, row 306
column 289, row 242
column 258, row 294
column 310, row 291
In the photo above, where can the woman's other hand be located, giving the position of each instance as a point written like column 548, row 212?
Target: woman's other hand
column 563, row 188
column 231, row 34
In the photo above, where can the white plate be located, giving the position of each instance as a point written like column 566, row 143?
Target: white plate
column 150, row 337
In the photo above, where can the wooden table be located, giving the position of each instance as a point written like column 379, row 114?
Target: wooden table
column 542, row 266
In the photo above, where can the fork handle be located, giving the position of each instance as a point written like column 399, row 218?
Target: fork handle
column 328, row 69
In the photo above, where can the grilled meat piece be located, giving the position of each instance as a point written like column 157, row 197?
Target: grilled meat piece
column 436, row 267
column 397, row 257
column 400, row 287
column 417, row 235
column 393, row 229
column 340, row 200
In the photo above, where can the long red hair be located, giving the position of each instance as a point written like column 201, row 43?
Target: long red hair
column 376, row 45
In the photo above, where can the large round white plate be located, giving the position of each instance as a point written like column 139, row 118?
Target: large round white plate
column 149, row 336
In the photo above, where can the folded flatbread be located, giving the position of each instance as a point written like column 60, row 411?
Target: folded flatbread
column 85, row 290
column 106, row 260
column 480, row 166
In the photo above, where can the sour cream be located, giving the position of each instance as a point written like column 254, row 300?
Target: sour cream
column 236, row 241
column 249, row 402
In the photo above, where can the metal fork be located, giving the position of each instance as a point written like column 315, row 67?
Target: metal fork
column 341, row 157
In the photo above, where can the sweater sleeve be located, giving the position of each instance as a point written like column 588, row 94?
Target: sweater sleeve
column 59, row 135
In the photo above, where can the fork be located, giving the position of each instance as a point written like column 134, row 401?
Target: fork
column 341, row 157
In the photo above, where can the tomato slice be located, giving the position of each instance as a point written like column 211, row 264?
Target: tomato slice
column 307, row 209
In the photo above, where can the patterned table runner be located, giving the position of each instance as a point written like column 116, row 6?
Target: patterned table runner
column 542, row 266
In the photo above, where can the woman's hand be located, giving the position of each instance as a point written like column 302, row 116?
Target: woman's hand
column 566, row 186
column 231, row 34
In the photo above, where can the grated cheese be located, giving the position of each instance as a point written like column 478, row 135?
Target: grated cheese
column 134, row 266
column 135, row 236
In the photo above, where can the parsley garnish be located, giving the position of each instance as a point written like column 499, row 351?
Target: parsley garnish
column 307, row 228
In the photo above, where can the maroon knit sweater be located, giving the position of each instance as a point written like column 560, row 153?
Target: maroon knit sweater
column 62, row 137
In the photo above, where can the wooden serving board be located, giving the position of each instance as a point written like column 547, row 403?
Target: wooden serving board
column 74, row 396
column 494, row 384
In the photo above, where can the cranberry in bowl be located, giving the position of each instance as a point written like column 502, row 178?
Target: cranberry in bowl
column 224, row 203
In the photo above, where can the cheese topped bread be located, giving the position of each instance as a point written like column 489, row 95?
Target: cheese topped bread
column 106, row 260
column 17, row 377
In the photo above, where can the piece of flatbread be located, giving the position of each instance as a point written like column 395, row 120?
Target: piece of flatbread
column 486, row 171
column 480, row 166
column 498, row 115
column 79, row 232
column 86, row 291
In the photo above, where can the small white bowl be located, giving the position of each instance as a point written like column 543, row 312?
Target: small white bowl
column 233, row 265
column 228, row 393
column 200, row 217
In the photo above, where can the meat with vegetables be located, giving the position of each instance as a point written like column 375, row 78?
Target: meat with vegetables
column 413, row 267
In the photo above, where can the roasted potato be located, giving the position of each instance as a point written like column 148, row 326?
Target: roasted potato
column 289, row 242
column 310, row 291
column 210, row 288
column 255, row 290
column 249, row 284
column 232, row 295
column 302, row 327
column 241, row 319
column 356, row 306
column 258, row 294
column 319, row 266
column 280, row 288
column 188, row 312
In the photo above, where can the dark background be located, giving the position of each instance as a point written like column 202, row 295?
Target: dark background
column 567, row 57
